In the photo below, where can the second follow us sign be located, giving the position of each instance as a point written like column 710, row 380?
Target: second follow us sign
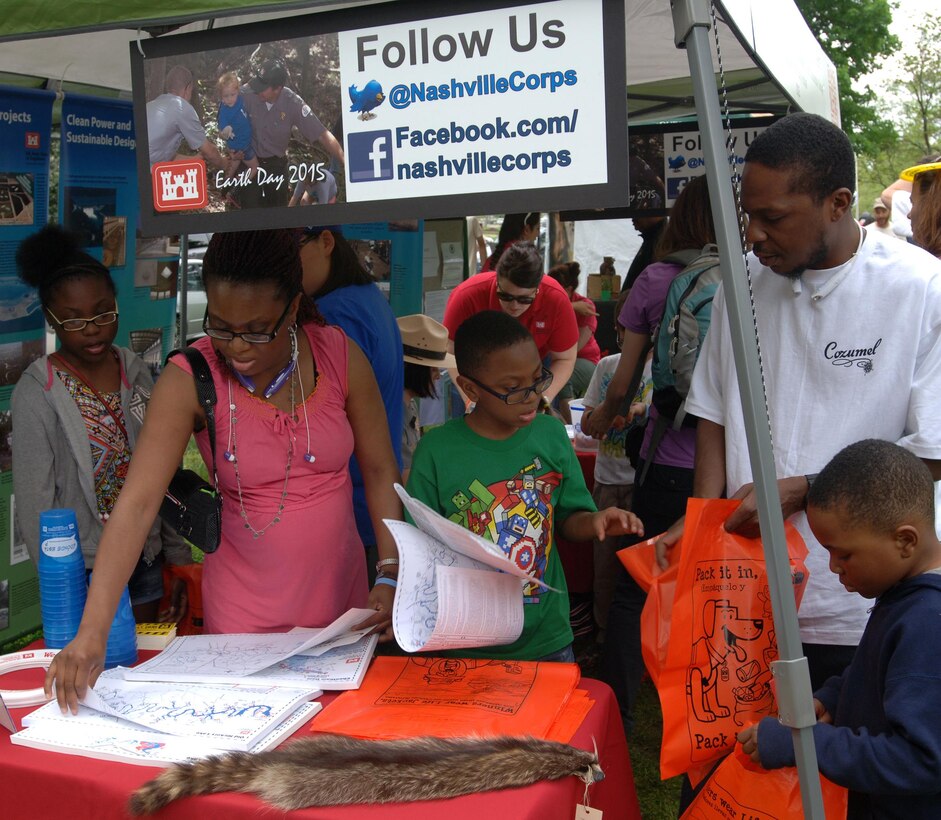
column 510, row 99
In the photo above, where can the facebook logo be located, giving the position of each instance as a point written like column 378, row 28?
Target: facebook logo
column 369, row 156
column 675, row 185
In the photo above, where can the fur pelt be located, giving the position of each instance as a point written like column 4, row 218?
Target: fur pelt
column 330, row 770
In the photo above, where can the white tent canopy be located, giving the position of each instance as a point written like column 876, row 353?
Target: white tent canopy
column 772, row 62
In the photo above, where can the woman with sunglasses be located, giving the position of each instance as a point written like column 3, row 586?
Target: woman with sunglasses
column 78, row 412
column 295, row 400
column 519, row 288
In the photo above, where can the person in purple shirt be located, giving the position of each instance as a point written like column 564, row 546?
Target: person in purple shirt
column 660, row 492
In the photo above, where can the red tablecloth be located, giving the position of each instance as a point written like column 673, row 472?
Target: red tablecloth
column 38, row 784
column 577, row 556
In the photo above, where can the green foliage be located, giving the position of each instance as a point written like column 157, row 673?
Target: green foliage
column 920, row 91
column 855, row 36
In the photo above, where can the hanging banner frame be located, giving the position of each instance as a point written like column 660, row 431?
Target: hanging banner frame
column 469, row 133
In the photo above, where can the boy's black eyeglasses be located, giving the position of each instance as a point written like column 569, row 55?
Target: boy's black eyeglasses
column 520, row 395
column 503, row 296
column 107, row 318
column 250, row 337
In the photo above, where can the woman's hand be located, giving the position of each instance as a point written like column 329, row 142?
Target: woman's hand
column 76, row 668
column 381, row 598
column 584, row 308
column 748, row 737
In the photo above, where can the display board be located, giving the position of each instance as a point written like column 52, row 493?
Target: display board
column 497, row 107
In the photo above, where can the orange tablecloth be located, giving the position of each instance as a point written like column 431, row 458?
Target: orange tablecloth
column 39, row 784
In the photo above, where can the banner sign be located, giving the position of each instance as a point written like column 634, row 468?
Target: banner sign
column 99, row 200
column 497, row 107
column 25, row 135
column 663, row 158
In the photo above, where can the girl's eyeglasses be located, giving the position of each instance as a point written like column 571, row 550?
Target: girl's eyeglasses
column 102, row 319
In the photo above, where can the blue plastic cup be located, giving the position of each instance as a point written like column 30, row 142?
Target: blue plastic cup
column 61, row 570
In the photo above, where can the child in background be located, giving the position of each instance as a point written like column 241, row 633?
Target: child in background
column 234, row 125
column 425, row 349
column 510, row 474
column 879, row 723
column 614, row 474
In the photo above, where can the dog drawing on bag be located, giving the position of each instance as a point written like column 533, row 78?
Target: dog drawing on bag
column 723, row 631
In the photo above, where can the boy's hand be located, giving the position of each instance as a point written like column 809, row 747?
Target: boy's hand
column 748, row 737
column 823, row 716
column 227, row 133
column 669, row 540
column 612, row 521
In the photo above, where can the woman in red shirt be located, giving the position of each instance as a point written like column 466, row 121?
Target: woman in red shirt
column 519, row 287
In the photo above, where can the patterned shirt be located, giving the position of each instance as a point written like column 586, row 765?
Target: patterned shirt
column 110, row 453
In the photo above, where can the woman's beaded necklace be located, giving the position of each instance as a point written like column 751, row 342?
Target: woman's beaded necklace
column 231, row 453
column 233, row 422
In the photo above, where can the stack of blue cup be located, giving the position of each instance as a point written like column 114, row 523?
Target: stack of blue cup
column 122, row 639
column 62, row 586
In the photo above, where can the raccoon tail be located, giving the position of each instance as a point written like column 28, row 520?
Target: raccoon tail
column 235, row 771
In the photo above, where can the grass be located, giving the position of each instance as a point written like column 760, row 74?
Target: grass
column 659, row 799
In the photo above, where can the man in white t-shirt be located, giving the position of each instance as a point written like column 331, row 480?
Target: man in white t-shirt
column 850, row 330
column 171, row 119
column 880, row 220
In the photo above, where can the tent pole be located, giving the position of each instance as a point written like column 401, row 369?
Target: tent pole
column 183, row 285
column 691, row 23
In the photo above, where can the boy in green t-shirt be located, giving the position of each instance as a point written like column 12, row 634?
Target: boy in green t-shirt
column 510, row 474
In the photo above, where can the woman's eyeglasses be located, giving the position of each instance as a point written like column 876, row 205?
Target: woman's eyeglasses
column 251, row 337
column 503, row 296
column 102, row 319
column 520, row 395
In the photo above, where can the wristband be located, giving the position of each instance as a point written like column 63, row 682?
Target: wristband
column 811, row 478
column 386, row 562
column 386, row 581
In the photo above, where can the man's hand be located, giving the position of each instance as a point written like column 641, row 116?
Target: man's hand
column 598, row 421
column 744, row 520
column 748, row 737
column 667, row 541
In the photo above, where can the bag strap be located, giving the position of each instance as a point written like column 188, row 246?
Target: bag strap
column 660, row 427
column 205, row 394
column 81, row 377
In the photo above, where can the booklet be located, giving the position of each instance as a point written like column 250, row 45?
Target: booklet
column 231, row 658
column 233, row 716
column 455, row 589
column 93, row 734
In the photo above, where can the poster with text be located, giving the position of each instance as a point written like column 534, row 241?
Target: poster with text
column 495, row 107
column 25, row 134
column 664, row 158
column 99, row 200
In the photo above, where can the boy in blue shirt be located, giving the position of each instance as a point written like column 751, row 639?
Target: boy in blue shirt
column 509, row 473
column 879, row 723
column 234, row 126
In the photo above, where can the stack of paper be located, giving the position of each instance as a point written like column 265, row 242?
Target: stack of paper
column 158, row 723
column 335, row 657
column 455, row 589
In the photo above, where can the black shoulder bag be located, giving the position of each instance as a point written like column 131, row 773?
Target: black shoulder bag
column 192, row 506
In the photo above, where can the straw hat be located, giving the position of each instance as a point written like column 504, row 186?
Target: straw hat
column 425, row 341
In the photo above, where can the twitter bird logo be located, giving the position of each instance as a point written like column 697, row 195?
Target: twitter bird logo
column 676, row 162
column 366, row 100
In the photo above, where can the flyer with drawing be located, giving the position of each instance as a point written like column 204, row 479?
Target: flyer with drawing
column 455, row 589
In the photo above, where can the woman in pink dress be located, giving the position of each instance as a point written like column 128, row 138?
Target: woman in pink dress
column 295, row 399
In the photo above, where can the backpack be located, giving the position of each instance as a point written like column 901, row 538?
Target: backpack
column 686, row 315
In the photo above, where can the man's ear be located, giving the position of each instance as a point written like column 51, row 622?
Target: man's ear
column 841, row 200
column 906, row 540
column 467, row 387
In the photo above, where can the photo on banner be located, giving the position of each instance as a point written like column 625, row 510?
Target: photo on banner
column 496, row 107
